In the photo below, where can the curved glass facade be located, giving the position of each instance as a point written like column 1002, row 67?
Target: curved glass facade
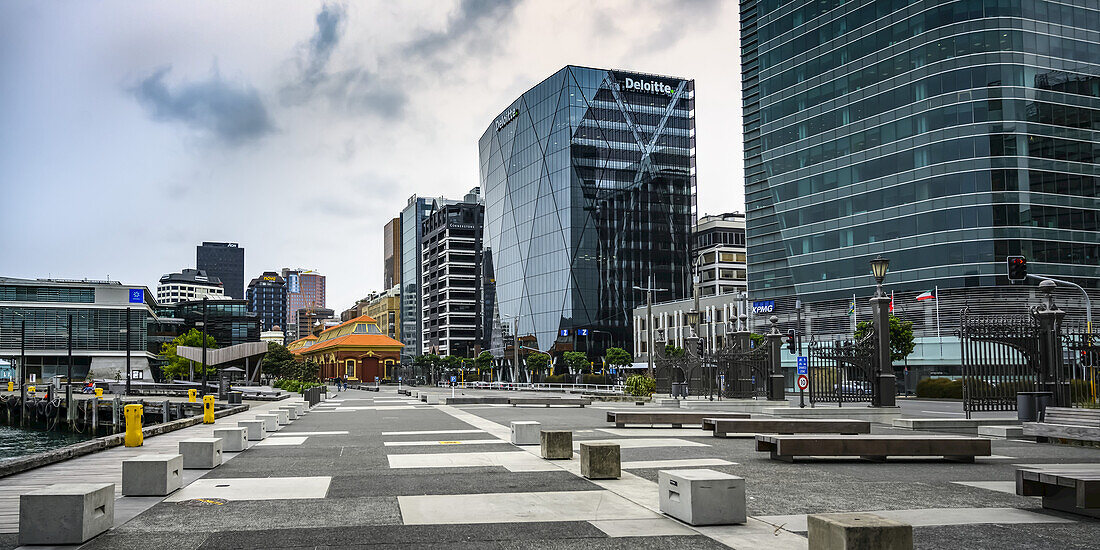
column 589, row 186
column 944, row 135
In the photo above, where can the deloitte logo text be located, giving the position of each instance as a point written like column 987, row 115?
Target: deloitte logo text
column 506, row 118
column 652, row 86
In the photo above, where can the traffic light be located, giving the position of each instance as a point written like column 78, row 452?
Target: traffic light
column 1017, row 268
column 790, row 341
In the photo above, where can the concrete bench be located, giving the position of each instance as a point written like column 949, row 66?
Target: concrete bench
column 201, row 453
column 255, row 429
column 724, row 426
column 676, row 418
column 857, row 531
column 581, row 402
column 152, row 475
column 1068, row 489
column 234, row 440
column 874, row 447
column 702, row 497
column 66, row 513
column 526, row 432
column 1065, row 423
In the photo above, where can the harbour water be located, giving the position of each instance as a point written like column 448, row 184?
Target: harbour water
column 16, row 442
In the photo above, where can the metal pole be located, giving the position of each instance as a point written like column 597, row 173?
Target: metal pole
column 515, row 349
column 1088, row 302
column 69, row 375
column 649, row 326
column 22, row 368
column 203, row 391
column 798, row 330
column 128, row 351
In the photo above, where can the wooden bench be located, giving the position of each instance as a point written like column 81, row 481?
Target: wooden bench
column 874, row 447
column 579, row 401
column 1068, row 489
column 724, row 426
column 676, row 418
column 1065, row 423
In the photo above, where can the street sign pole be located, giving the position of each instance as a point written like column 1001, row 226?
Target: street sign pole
column 803, row 379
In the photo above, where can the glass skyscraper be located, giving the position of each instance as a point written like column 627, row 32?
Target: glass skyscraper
column 224, row 261
column 943, row 135
column 589, row 185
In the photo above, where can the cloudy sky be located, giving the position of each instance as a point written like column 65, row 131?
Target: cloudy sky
column 131, row 131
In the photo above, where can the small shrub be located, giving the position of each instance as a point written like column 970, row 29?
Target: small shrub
column 594, row 379
column 640, row 385
column 556, row 379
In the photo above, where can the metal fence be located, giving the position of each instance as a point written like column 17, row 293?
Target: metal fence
column 842, row 371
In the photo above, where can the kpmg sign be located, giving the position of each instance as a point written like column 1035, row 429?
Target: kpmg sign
column 767, row 306
column 653, row 86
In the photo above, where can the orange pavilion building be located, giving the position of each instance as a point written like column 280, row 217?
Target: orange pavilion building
column 356, row 350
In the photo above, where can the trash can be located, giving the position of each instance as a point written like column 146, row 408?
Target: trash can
column 235, row 397
column 679, row 389
column 1031, row 404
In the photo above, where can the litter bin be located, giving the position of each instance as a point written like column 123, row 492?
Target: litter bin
column 679, row 389
column 1031, row 404
column 235, row 397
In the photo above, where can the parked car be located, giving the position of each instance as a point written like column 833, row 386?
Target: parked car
column 853, row 387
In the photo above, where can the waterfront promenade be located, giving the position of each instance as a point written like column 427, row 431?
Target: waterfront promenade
column 383, row 470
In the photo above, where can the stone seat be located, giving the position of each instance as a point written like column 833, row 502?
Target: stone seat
column 874, row 447
column 748, row 426
column 152, row 475
column 201, row 453
column 66, row 513
column 579, row 401
column 676, row 418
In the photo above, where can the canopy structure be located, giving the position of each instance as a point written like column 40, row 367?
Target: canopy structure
column 249, row 355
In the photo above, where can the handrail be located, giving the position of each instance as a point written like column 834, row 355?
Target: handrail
column 536, row 386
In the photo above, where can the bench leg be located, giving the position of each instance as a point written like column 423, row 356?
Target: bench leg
column 874, row 458
column 618, row 425
column 677, row 425
column 1064, row 499
column 784, row 458
column 547, row 405
column 963, row 459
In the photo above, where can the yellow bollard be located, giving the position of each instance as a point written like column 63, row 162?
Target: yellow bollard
column 208, row 409
column 191, row 394
column 133, row 414
column 11, row 385
column 99, row 392
column 30, row 390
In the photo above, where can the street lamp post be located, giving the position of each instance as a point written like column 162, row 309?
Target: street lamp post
column 128, row 351
column 69, row 377
column 203, row 346
column 649, row 290
column 882, row 394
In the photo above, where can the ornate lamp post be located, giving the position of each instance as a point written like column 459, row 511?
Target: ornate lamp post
column 884, row 381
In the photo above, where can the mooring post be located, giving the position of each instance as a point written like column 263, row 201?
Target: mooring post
column 95, row 415
column 115, row 409
column 166, row 412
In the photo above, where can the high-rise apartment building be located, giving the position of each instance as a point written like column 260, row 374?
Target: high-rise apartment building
column 412, row 218
column 305, row 289
column 589, row 186
column 266, row 297
column 452, row 265
column 188, row 284
column 943, row 136
column 391, row 253
column 224, row 261
column 720, row 254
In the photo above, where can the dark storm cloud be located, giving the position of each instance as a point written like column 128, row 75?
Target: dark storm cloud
column 356, row 89
column 232, row 113
column 467, row 27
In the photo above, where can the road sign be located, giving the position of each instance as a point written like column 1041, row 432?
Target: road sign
column 454, row 379
column 582, row 332
column 564, row 332
column 803, row 382
column 803, row 364
column 375, row 378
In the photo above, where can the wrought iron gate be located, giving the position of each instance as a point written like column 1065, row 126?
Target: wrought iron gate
column 842, row 371
column 1000, row 358
column 741, row 373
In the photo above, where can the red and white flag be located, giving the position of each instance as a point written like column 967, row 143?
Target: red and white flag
column 926, row 296
column 891, row 301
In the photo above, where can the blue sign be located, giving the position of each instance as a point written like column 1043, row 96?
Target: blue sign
column 582, row 332
column 454, row 379
column 137, row 295
column 766, row 306
column 564, row 332
column 803, row 364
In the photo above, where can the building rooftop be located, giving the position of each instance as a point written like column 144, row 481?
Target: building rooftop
column 192, row 276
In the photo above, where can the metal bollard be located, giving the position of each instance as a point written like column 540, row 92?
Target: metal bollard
column 191, row 395
column 30, row 390
column 11, row 385
column 208, row 409
column 99, row 392
column 134, row 437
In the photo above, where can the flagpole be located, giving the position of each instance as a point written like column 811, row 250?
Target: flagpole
column 855, row 314
column 939, row 328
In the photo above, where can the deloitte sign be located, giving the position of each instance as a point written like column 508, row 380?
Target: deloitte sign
column 506, row 118
column 652, row 86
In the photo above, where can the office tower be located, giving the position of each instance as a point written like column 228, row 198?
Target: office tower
column 224, row 261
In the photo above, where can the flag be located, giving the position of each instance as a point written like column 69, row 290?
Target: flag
column 852, row 308
column 891, row 301
column 926, row 296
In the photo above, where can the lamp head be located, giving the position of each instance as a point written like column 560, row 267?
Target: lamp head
column 879, row 267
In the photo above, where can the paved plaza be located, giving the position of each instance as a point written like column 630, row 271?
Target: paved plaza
column 383, row 470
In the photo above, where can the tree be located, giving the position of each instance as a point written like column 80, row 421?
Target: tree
column 177, row 367
column 427, row 361
column 576, row 361
column 278, row 360
column 757, row 340
column 537, row 361
column 673, row 351
column 640, row 385
column 484, row 360
column 452, row 362
column 303, row 371
column 619, row 357
column 901, row 337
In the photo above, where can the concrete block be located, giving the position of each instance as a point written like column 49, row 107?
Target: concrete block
column 201, row 453
column 667, row 402
column 526, row 432
column 301, row 407
column 152, row 475
column 433, row 399
column 702, row 497
column 283, row 417
column 556, row 444
column 291, row 411
column 271, row 422
column 857, row 531
column 600, row 461
column 1003, row 432
column 66, row 513
column 233, row 439
column 256, row 430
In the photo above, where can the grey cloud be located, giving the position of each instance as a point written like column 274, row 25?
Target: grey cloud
column 232, row 113
column 466, row 29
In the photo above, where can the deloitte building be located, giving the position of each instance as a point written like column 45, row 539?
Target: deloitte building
column 589, row 186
